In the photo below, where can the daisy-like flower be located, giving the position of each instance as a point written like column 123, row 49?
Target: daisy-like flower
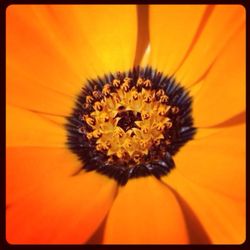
column 125, row 125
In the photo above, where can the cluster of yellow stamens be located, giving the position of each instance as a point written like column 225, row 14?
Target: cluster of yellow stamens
column 120, row 103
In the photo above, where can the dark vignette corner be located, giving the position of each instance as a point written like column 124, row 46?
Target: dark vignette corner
column 2, row 122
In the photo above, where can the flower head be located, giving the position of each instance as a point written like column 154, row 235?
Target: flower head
column 132, row 133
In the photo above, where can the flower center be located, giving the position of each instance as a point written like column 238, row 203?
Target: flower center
column 130, row 124
column 127, row 119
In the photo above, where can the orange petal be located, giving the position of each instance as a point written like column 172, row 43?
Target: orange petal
column 222, row 24
column 52, row 49
column 56, row 208
column 217, row 161
column 26, row 128
column 98, row 37
column 222, row 92
column 172, row 30
column 145, row 212
column 28, row 167
column 38, row 76
column 222, row 217
column 24, row 91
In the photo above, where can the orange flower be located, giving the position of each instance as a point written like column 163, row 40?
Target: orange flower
column 51, row 52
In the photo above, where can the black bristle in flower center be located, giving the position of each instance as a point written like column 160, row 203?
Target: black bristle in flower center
column 130, row 124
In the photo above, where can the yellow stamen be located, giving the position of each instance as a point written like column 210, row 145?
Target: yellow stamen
column 137, row 157
column 97, row 133
column 119, row 132
column 147, row 84
column 157, row 141
column 89, row 99
column 125, row 86
column 89, row 136
column 97, row 94
column 89, row 120
column 81, row 130
column 148, row 98
column 145, row 115
column 135, row 95
column 116, row 83
column 127, row 79
column 98, row 106
column 160, row 92
column 148, row 108
column 160, row 126
column 175, row 110
column 106, row 89
column 139, row 82
column 162, row 110
column 169, row 124
column 163, row 99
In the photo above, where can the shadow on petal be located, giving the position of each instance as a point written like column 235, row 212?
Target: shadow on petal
column 233, row 121
column 143, row 32
column 196, row 231
column 97, row 236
